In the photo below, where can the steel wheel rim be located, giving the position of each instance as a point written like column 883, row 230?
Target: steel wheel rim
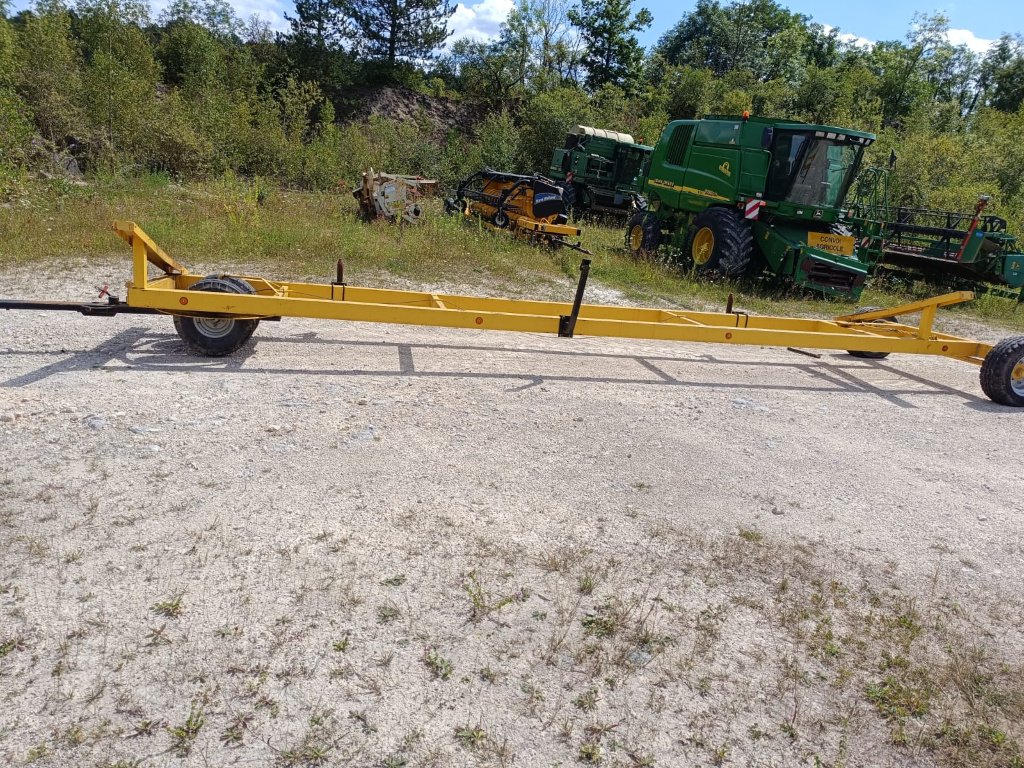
column 703, row 245
column 636, row 237
column 1017, row 378
column 214, row 327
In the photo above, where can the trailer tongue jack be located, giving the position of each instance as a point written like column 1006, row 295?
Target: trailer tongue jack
column 216, row 314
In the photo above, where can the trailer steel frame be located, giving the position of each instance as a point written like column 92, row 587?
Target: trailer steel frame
column 867, row 333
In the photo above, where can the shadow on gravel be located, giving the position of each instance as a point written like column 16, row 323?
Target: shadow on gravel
column 140, row 349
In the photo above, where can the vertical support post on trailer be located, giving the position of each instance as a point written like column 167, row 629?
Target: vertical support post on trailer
column 141, row 265
column 567, row 323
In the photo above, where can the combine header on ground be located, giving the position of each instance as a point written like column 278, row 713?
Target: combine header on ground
column 217, row 314
column 530, row 207
column 963, row 249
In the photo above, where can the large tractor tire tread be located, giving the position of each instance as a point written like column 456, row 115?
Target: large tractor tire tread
column 733, row 241
column 216, row 336
column 643, row 235
column 1002, row 372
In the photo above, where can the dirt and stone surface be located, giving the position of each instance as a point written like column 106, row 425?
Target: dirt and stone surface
column 355, row 544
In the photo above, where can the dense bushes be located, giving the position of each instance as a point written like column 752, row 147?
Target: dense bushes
column 199, row 100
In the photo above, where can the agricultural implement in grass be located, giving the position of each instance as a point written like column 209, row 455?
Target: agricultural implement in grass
column 530, row 207
column 398, row 199
column 953, row 248
column 216, row 314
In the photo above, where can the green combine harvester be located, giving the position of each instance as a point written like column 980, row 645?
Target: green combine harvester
column 743, row 195
column 600, row 171
column 739, row 195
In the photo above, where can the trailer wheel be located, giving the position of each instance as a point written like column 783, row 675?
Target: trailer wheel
column 643, row 235
column 1002, row 372
column 216, row 336
column 868, row 355
column 720, row 241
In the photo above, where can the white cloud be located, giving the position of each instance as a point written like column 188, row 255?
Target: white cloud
column 968, row 38
column 479, row 21
column 849, row 39
column 954, row 36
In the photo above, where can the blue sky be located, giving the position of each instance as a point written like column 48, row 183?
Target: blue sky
column 975, row 24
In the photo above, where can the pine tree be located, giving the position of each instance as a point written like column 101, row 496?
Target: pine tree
column 399, row 30
column 319, row 29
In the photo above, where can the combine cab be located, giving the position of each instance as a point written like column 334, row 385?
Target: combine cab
column 530, row 207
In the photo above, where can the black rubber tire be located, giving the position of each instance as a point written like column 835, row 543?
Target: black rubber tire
column 997, row 372
column 501, row 219
column 868, row 355
column 733, row 244
column 216, row 337
column 643, row 235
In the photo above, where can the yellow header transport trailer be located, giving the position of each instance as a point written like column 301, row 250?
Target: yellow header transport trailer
column 216, row 314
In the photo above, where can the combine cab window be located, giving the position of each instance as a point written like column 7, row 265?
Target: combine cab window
column 630, row 162
column 810, row 170
column 716, row 132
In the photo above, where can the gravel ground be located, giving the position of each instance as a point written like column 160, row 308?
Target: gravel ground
column 372, row 545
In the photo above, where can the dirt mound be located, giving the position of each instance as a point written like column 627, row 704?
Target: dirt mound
column 404, row 104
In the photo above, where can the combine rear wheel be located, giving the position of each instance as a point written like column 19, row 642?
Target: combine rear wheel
column 720, row 241
column 216, row 336
column 643, row 235
column 1002, row 372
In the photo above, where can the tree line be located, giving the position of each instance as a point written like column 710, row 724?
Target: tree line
column 197, row 91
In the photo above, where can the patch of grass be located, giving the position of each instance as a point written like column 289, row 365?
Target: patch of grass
column 471, row 737
column 183, row 736
column 591, row 753
column 440, row 668
column 587, row 701
column 754, row 537
column 482, row 603
column 172, row 607
column 388, row 612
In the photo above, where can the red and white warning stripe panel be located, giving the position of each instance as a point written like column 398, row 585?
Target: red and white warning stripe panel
column 752, row 208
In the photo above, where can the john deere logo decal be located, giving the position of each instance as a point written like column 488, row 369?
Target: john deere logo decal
column 724, row 168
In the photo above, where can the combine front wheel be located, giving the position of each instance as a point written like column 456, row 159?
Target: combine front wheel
column 643, row 235
column 720, row 241
column 216, row 336
column 1002, row 372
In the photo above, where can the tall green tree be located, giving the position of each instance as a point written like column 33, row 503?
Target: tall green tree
column 217, row 16
column 393, row 31
column 1002, row 73
column 758, row 35
column 319, row 29
column 48, row 74
column 612, row 54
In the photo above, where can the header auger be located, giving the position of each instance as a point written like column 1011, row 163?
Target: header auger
column 217, row 314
